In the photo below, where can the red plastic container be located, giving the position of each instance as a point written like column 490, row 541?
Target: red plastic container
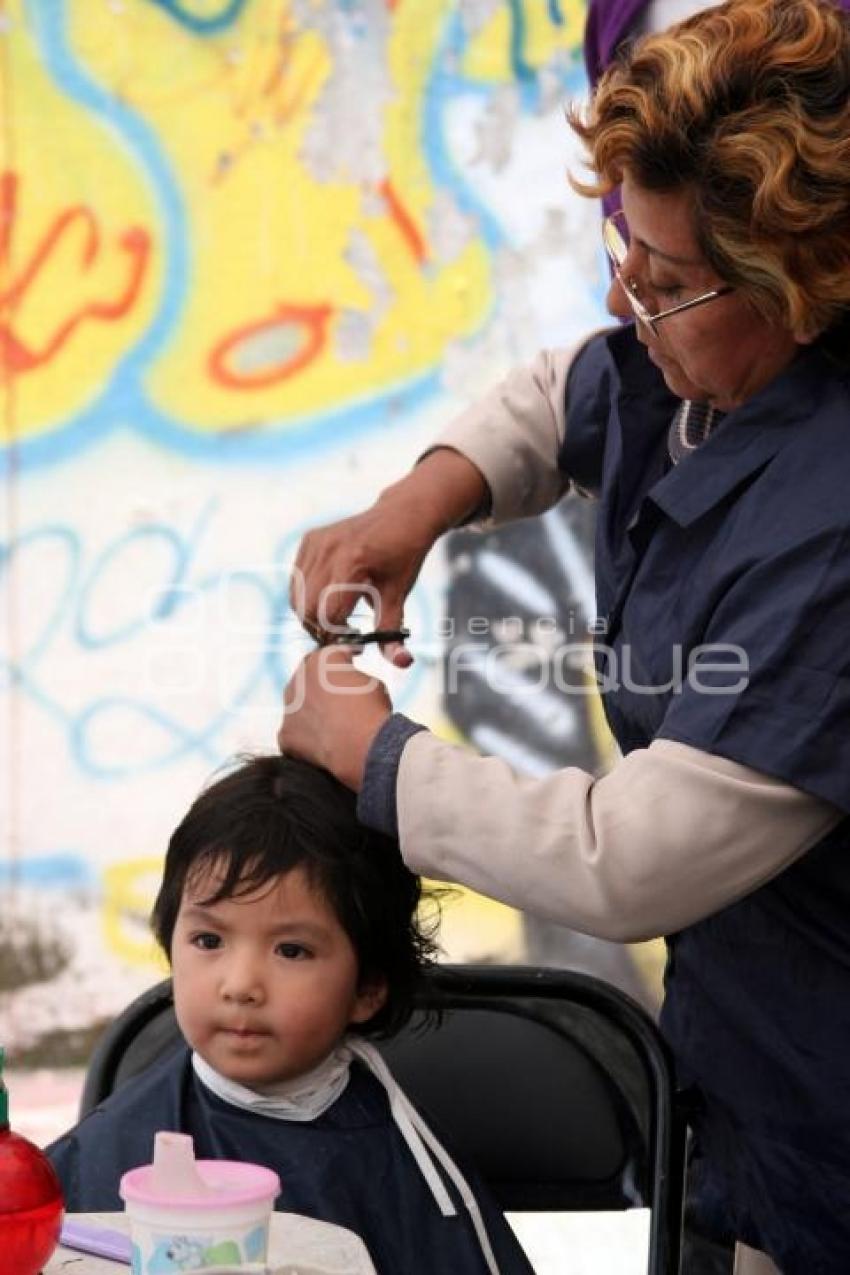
column 31, row 1204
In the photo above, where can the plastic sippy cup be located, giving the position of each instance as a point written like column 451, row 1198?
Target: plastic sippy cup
column 186, row 1214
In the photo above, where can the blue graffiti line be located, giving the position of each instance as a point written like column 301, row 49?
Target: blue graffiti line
column 61, row 871
column 283, row 441
column 18, row 681
column 144, row 712
column 199, row 23
column 521, row 69
column 68, row 542
column 240, row 682
column 440, row 87
column 178, row 739
column 444, row 85
column 523, row 72
column 150, row 608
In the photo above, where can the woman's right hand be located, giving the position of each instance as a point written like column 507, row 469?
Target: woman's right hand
column 378, row 554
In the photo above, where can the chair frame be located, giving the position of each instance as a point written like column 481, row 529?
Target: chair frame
column 461, row 986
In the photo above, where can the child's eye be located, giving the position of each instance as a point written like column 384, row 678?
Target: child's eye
column 671, row 291
column 293, row 951
column 205, row 941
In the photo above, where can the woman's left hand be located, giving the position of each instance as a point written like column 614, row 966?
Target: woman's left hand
column 331, row 714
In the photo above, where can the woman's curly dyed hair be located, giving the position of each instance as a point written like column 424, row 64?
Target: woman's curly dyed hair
column 272, row 814
column 746, row 106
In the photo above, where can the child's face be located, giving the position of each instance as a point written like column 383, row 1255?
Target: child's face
column 265, row 984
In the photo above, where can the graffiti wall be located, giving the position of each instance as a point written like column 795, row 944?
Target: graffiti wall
column 253, row 253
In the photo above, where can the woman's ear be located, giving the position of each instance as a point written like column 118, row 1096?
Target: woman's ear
column 371, row 997
column 807, row 334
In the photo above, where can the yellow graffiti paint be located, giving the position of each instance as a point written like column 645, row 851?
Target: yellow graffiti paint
column 416, row 31
column 490, row 55
column 274, row 290
column 129, row 889
column 478, row 929
column 167, row 178
column 79, row 270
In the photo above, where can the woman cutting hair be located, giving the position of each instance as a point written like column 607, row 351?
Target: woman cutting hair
column 714, row 428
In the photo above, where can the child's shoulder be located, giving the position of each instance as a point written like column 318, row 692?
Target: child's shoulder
column 160, row 1082
column 118, row 1134
column 141, row 1100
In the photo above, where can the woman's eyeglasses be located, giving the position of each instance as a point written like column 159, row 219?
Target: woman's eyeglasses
column 615, row 236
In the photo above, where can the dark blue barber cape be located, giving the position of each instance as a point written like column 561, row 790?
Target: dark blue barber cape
column 351, row 1166
column 743, row 547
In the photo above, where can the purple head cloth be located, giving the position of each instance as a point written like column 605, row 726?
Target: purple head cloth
column 608, row 23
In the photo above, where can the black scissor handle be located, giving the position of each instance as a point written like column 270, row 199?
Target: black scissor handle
column 352, row 638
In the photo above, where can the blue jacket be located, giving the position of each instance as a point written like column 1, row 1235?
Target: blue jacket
column 744, row 547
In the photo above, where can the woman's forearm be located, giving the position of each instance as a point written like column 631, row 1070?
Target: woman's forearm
column 445, row 490
column 672, row 834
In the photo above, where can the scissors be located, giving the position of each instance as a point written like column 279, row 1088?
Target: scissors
column 351, row 637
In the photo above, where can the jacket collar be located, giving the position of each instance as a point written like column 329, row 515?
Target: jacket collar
column 744, row 442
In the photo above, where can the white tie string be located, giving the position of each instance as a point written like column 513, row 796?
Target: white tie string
column 416, row 1133
column 308, row 1096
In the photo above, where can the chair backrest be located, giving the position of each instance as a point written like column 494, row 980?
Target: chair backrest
column 556, row 1086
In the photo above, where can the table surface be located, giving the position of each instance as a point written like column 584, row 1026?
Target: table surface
column 301, row 1244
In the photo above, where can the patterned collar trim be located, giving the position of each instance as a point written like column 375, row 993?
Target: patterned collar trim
column 691, row 425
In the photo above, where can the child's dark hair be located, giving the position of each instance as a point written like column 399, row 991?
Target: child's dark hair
column 272, row 814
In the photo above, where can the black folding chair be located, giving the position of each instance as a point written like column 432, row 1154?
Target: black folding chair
column 556, row 1086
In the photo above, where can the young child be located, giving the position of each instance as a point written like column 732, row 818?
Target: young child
column 292, row 936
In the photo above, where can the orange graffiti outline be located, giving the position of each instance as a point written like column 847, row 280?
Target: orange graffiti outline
column 17, row 358
column 409, row 230
column 313, row 318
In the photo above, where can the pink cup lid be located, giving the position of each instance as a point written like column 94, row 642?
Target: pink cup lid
column 226, row 1182
column 176, row 1180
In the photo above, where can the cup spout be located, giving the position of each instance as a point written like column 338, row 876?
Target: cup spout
column 174, row 1168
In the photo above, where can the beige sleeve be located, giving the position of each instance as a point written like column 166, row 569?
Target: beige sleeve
column 513, row 434
column 670, row 835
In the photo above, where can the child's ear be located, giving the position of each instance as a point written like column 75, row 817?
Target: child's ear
column 371, row 997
